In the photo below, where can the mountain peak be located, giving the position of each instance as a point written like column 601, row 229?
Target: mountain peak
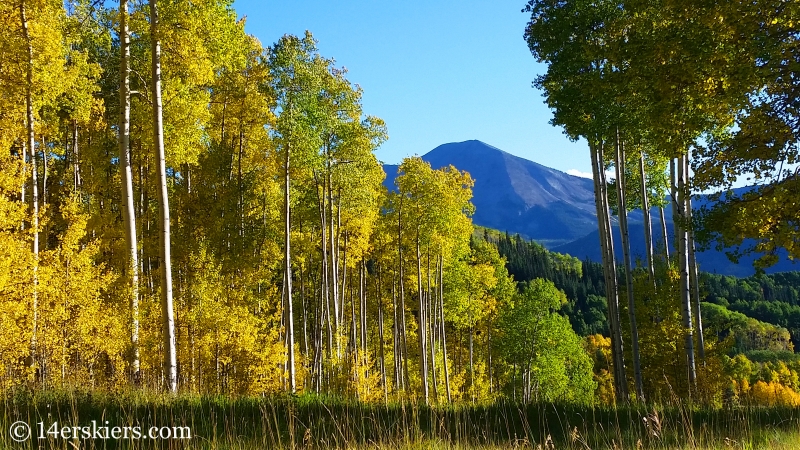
column 512, row 193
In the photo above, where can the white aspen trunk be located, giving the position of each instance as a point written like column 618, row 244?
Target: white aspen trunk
column 694, row 275
column 129, row 215
column 664, row 234
column 288, row 272
column 304, row 302
column 619, row 165
column 381, row 343
column 324, row 279
column 333, row 279
column 353, row 344
column 31, row 151
column 609, row 268
column 471, row 366
column 76, row 168
column 167, row 308
column 431, row 322
column 444, row 336
column 648, row 222
column 683, row 261
column 402, row 291
column 421, row 329
column 396, row 336
column 341, row 253
column 44, row 181
column 362, row 294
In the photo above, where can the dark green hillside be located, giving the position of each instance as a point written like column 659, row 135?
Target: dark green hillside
column 770, row 298
column 761, row 313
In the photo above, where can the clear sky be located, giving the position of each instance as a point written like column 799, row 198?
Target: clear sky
column 436, row 71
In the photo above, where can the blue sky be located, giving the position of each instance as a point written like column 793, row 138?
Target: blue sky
column 436, row 71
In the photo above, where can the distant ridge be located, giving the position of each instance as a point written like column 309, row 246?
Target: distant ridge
column 551, row 207
column 521, row 196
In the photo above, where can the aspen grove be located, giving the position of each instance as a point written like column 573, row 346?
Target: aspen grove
column 184, row 209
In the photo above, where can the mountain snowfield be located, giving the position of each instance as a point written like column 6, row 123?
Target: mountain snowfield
column 551, row 207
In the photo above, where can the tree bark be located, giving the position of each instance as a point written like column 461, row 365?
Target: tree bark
column 287, row 261
column 333, row 279
column 609, row 267
column 444, row 336
column 167, row 308
column 694, row 278
column 128, row 212
column 402, row 290
column 44, row 181
column 683, row 261
column 76, row 168
column 381, row 343
column 31, row 150
column 619, row 164
column 648, row 221
column 664, row 233
column 421, row 329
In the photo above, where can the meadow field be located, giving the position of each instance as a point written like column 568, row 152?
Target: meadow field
column 305, row 422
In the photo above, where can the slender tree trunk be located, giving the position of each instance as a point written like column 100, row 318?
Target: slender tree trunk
column 619, row 164
column 421, row 329
column 694, row 277
column 333, row 279
column 31, row 150
column 128, row 212
column 362, row 294
column 382, row 350
column 402, row 291
column 683, row 257
column 664, row 234
column 304, row 302
column 341, row 253
column 444, row 336
column 648, row 222
column 167, row 309
column 44, row 181
column 609, row 267
column 471, row 365
column 396, row 337
column 287, row 261
column 76, row 168
column 431, row 326
column 325, row 264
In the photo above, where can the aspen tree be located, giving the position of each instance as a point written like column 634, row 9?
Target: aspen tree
column 129, row 216
column 622, row 213
column 167, row 307
column 678, row 205
column 30, row 148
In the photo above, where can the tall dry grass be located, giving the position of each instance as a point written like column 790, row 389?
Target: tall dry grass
column 311, row 422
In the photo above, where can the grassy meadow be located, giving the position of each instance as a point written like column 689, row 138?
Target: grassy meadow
column 305, row 422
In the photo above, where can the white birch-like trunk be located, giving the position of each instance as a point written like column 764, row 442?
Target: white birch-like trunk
column 664, row 234
column 287, row 261
column 619, row 165
column 76, row 168
column 421, row 329
column 679, row 187
column 128, row 213
column 648, row 221
column 31, row 151
column 609, row 268
column 694, row 275
column 167, row 308
column 444, row 336
column 405, row 378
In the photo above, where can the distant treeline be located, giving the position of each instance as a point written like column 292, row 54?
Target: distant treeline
column 762, row 312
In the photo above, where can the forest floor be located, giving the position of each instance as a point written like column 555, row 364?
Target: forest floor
column 308, row 422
